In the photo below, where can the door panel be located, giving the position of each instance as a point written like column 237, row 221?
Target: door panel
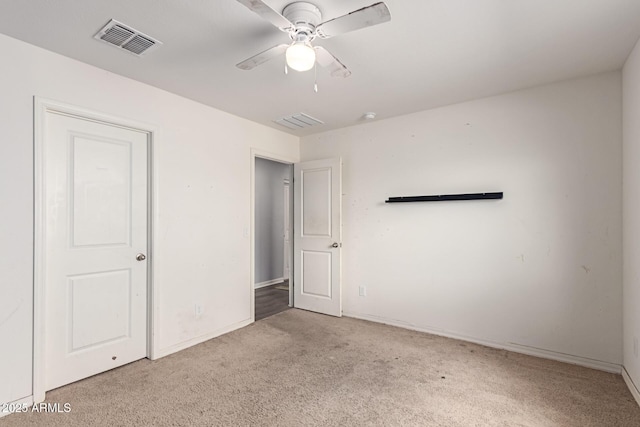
column 96, row 224
column 316, row 202
column 316, row 274
column 100, row 305
column 317, row 236
column 101, row 193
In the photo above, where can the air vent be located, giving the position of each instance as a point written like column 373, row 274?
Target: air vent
column 298, row 121
column 119, row 35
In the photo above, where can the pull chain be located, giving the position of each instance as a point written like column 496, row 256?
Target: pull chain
column 286, row 69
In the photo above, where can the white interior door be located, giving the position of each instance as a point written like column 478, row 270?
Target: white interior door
column 95, row 228
column 317, row 236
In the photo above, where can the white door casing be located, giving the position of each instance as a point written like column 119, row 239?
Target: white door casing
column 288, row 226
column 95, row 217
column 317, row 236
column 287, row 234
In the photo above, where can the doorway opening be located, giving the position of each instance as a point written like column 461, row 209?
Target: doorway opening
column 272, row 254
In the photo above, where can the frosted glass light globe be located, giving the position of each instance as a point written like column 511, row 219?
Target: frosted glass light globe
column 301, row 56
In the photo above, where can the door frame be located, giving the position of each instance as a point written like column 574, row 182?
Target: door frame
column 287, row 256
column 257, row 153
column 42, row 107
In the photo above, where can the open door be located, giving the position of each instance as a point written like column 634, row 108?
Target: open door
column 317, row 236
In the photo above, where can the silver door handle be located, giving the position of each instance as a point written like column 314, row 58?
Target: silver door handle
column 335, row 245
column 141, row 257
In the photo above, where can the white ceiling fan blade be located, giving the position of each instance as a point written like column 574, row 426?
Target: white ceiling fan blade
column 262, row 57
column 330, row 62
column 266, row 12
column 366, row 17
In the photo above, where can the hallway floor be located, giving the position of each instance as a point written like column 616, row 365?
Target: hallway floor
column 271, row 300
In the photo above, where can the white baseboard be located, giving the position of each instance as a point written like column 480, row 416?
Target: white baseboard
column 514, row 347
column 632, row 386
column 200, row 339
column 21, row 404
column 268, row 283
column 600, row 365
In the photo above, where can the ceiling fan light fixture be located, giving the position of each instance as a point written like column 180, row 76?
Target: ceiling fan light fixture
column 301, row 56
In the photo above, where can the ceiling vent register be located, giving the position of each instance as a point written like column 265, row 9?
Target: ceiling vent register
column 298, row 121
column 119, row 35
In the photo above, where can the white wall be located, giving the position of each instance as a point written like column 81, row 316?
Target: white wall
column 540, row 270
column 631, row 213
column 203, row 161
column 269, row 217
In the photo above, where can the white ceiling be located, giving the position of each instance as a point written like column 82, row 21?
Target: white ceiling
column 432, row 53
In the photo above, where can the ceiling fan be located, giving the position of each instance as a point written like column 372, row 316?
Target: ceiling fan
column 302, row 21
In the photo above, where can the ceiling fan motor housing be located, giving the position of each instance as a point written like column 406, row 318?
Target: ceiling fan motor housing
column 305, row 17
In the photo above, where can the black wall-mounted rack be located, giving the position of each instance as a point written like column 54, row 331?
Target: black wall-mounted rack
column 445, row 197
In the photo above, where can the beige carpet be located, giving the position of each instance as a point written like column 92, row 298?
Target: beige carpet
column 298, row 368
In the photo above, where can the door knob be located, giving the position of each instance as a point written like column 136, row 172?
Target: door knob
column 141, row 257
column 335, row 245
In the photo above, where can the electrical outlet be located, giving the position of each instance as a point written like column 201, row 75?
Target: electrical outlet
column 199, row 310
column 635, row 347
column 363, row 291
